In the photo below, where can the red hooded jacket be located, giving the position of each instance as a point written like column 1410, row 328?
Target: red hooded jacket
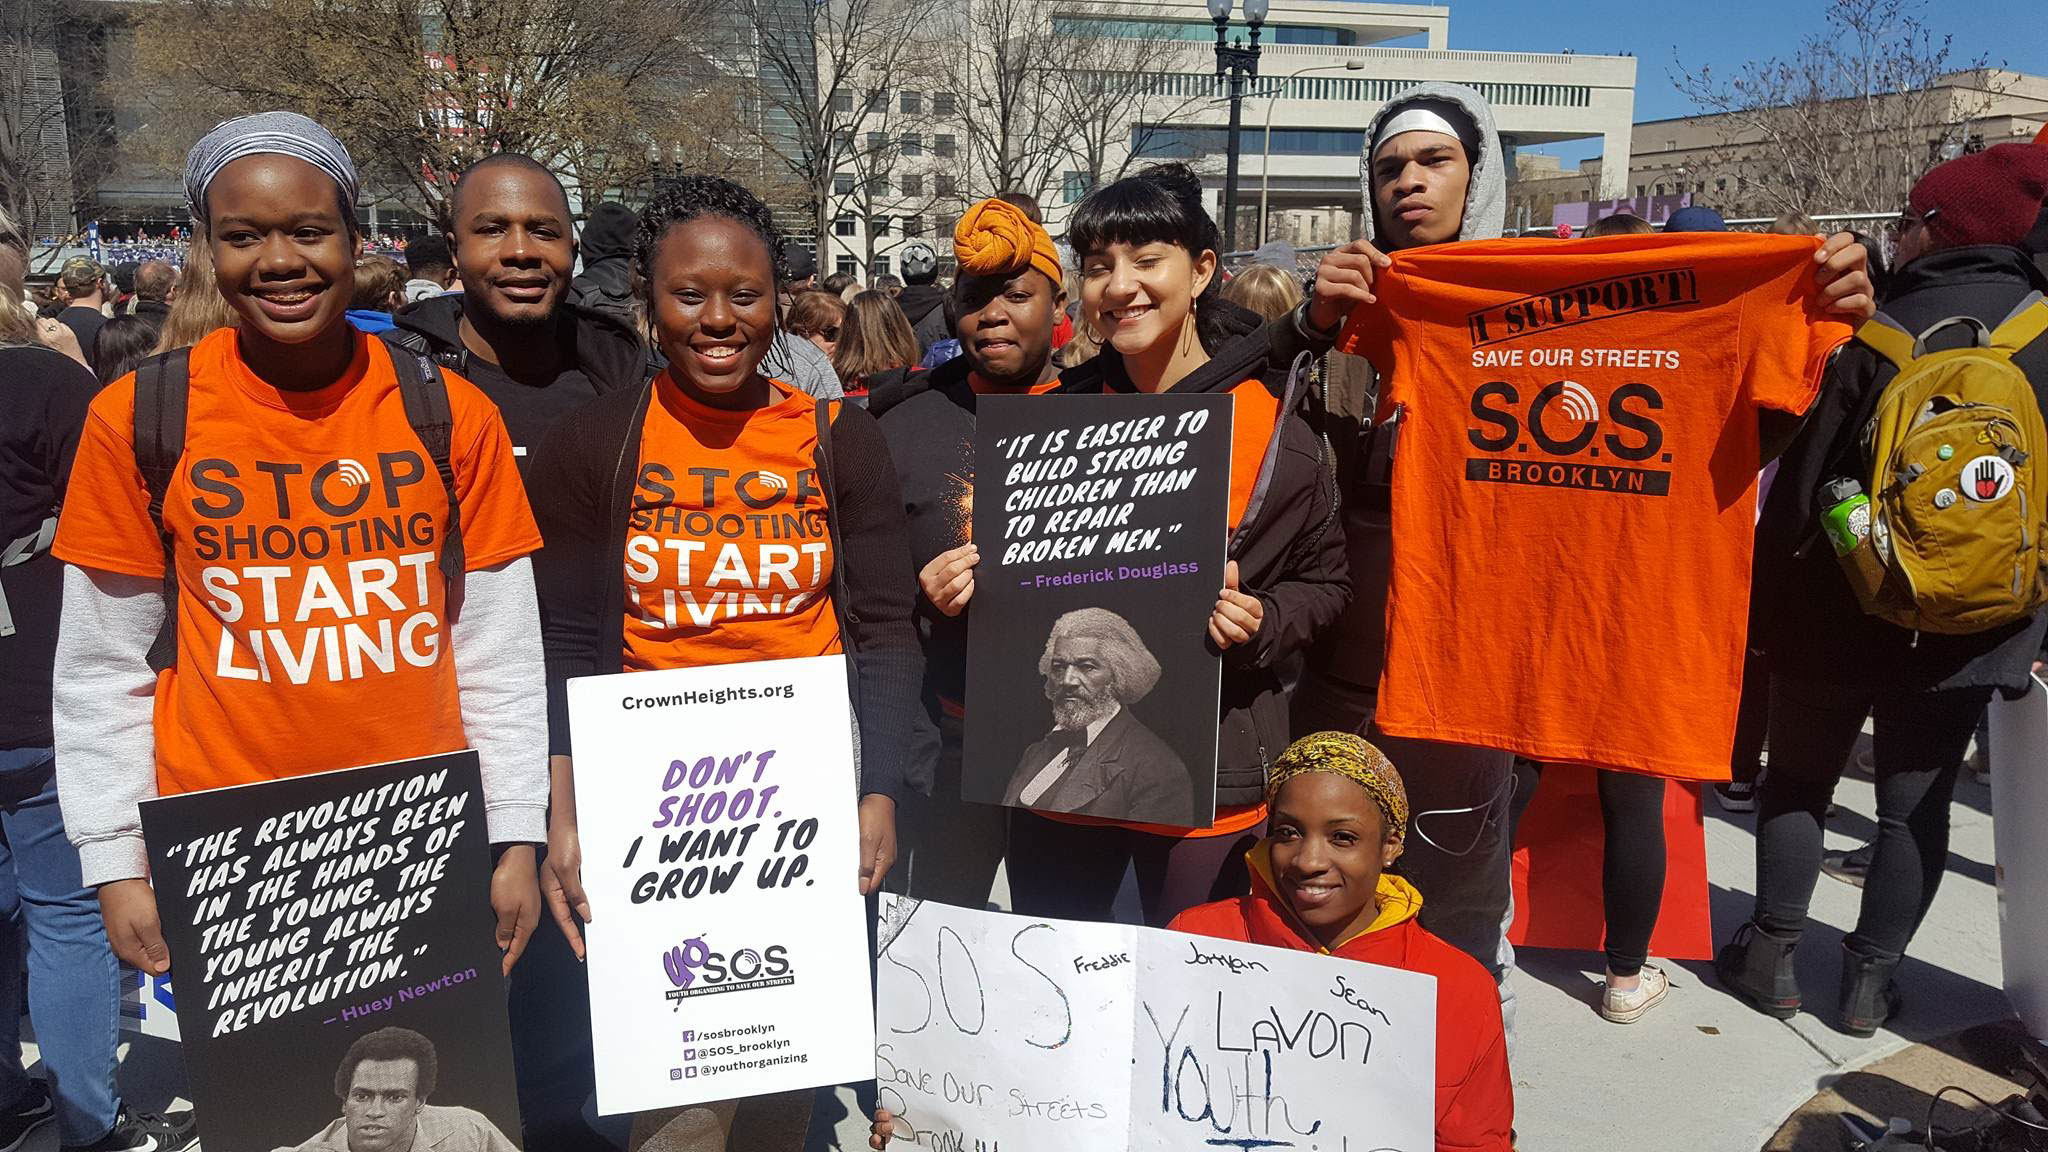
column 1475, row 1099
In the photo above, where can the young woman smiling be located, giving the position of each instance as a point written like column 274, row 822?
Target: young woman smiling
column 180, row 674
column 623, row 488
column 1319, row 883
column 1148, row 254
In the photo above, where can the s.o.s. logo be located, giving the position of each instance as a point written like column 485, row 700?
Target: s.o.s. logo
column 1557, row 438
column 696, row 969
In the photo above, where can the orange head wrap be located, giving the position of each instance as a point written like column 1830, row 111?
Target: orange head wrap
column 997, row 239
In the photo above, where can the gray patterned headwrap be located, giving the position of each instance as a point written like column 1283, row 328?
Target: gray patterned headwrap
column 280, row 133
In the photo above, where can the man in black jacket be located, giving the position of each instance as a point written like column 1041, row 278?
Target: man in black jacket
column 606, row 282
column 511, row 333
column 1831, row 665
column 922, row 300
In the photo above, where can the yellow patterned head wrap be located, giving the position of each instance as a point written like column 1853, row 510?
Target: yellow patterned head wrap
column 1355, row 760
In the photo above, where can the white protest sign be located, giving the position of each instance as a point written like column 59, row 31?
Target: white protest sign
column 728, row 939
column 1050, row 1034
column 147, row 1007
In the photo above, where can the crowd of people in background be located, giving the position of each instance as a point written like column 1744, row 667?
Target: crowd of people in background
column 691, row 333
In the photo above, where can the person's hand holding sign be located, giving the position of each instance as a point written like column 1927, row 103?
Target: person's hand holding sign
column 129, row 909
column 1344, row 281
column 515, row 897
column 561, row 880
column 1237, row 616
column 948, row 581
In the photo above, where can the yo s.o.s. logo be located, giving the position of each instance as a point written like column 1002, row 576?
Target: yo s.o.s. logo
column 1564, row 421
column 696, row 969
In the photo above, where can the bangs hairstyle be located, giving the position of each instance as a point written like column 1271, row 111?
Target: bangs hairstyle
column 694, row 196
column 1162, row 204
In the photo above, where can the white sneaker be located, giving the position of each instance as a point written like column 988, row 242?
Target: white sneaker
column 1630, row 1006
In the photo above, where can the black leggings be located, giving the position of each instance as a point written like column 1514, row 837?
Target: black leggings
column 1073, row 871
column 1632, row 859
column 1918, row 745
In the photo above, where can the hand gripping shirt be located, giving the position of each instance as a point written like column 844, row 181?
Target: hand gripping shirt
column 1574, row 485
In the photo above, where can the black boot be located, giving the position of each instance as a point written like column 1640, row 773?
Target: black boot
column 1757, row 966
column 1869, row 994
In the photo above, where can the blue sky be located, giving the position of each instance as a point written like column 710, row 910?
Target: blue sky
column 1720, row 33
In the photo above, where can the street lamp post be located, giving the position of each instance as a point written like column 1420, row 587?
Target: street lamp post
column 1266, row 154
column 1238, row 63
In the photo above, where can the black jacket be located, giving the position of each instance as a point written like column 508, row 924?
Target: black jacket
column 582, row 490
column 1125, row 773
column 1289, row 550
column 43, row 401
column 924, row 305
column 1805, row 615
column 599, row 354
column 605, row 287
column 928, row 420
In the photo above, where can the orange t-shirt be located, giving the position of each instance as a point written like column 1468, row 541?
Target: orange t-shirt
column 306, row 532
column 1254, row 411
column 1575, row 485
column 728, row 557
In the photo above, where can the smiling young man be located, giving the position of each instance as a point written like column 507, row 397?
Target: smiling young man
column 538, row 355
column 1006, row 300
column 1432, row 173
column 512, row 331
column 196, row 658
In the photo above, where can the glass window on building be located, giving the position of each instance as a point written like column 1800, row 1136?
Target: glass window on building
column 842, row 100
column 878, row 101
column 879, row 226
column 913, row 185
column 945, row 185
column 842, row 183
column 911, row 103
column 843, row 226
column 913, row 226
column 945, row 144
column 878, row 269
column 846, row 264
column 942, row 103
column 877, row 141
column 1073, row 187
column 913, row 144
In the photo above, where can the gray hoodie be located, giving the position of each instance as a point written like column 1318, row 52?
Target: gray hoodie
column 1486, row 199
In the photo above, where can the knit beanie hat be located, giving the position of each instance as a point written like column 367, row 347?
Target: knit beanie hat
column 1988, row 197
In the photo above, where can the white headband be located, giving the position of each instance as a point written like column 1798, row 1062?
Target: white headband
column 1414, row 119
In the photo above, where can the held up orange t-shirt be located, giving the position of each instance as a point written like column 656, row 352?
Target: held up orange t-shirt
column 306, row 534
column 1575, row 483
column 728, row 555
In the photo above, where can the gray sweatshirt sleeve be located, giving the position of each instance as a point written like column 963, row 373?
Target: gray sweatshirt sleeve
column 495, row 639
column 105, row 695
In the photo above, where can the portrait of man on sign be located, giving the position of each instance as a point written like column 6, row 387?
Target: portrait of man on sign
column 1100, row 759
column 384, row 1082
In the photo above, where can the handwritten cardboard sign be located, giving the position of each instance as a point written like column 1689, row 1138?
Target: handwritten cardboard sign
column 304, row 914
column 998, row 1030
column 1100, row 521
column 727, row 941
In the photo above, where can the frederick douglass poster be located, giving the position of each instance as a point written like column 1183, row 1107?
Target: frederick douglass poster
column 727, row 939
column 337, row 972
column 1091, row 683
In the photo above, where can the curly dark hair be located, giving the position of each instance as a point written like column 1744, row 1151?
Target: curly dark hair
column 692, row 196
column 391, row 1044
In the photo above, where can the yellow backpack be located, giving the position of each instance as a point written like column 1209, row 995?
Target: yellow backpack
column 1958, row 483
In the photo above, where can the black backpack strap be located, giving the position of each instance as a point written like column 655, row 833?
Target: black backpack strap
column 162, row 389
column 425, row 392
column 822, row 458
